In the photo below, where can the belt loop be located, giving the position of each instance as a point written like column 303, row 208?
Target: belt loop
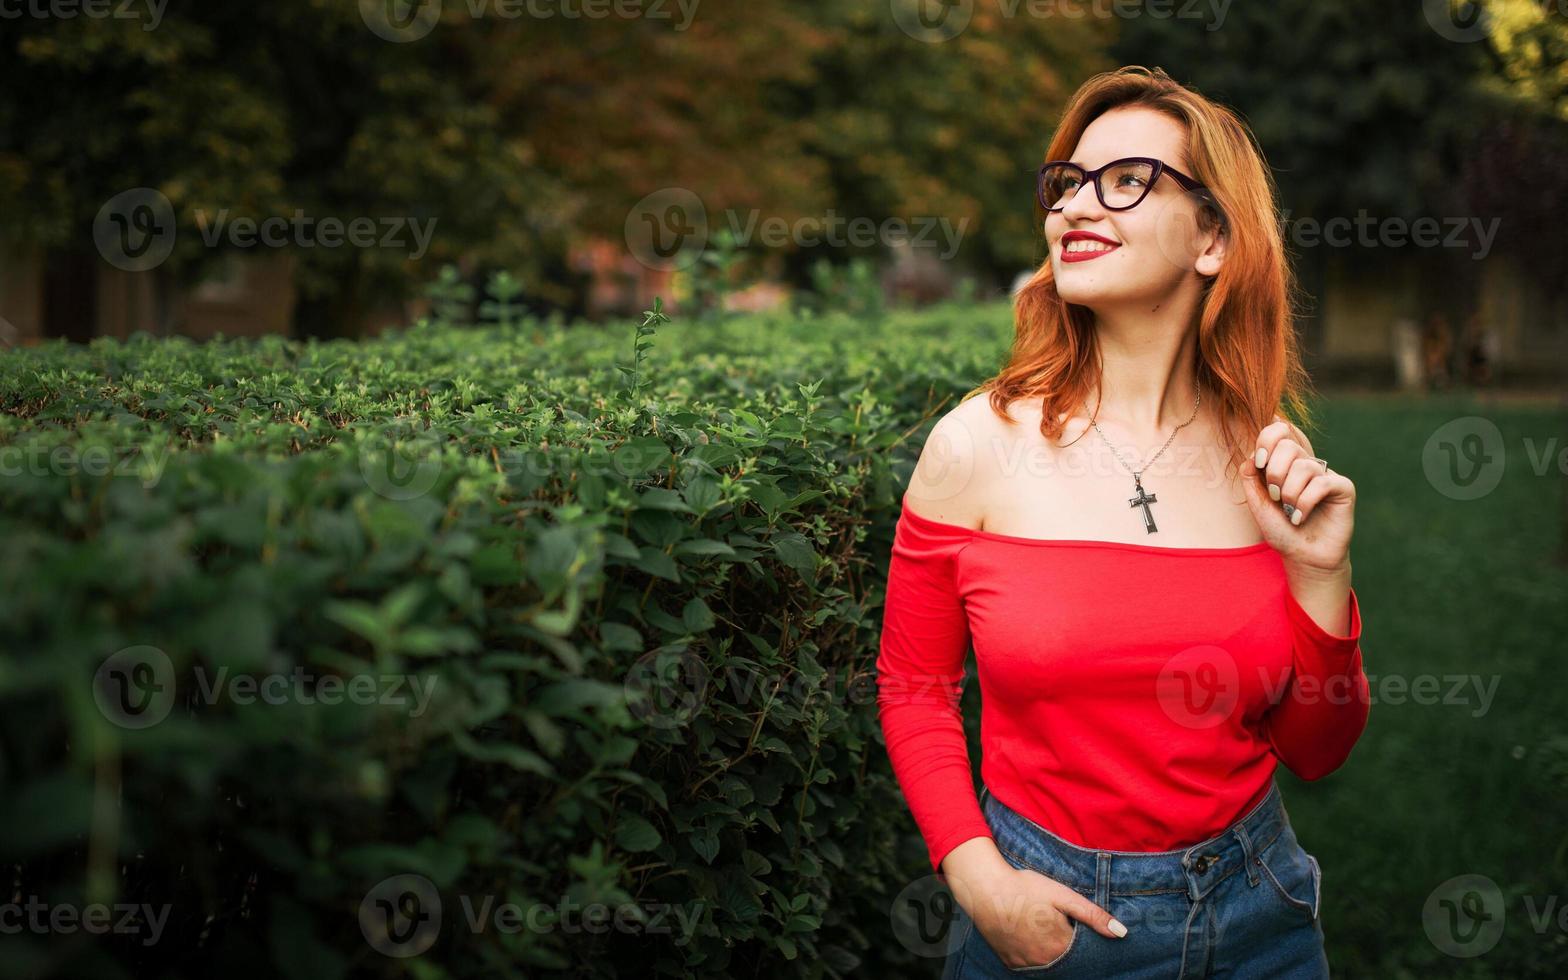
column 1102, row 881
column 1246, row 854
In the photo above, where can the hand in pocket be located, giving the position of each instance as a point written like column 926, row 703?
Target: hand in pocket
column 1027, row 919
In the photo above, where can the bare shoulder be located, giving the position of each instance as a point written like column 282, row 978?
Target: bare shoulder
column 953, row 476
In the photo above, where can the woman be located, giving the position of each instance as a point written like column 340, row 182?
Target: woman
column 1153, row 568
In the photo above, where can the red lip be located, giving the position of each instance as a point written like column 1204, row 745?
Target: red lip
column 1079, row 235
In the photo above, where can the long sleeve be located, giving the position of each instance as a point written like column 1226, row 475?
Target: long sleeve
column 925, row 637
column 1325, row 709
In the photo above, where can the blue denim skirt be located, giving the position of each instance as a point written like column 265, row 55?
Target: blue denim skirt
column 1242, row 904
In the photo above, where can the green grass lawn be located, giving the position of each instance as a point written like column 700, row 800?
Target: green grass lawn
column 1449, row 784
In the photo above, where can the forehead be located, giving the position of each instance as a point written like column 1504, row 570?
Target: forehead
column 1132, row 132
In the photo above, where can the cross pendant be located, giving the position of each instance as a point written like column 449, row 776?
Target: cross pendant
column 1144, row 499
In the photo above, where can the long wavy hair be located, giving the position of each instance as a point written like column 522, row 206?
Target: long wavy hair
column 1248, row 361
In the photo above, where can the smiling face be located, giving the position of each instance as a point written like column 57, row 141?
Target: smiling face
column 1160, row 246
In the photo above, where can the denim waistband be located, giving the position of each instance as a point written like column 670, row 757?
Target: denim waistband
column 1194, row 870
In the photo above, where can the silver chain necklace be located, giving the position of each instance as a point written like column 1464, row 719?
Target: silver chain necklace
column 1144, row 499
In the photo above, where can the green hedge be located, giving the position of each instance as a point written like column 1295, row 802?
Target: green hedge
column 296, row 631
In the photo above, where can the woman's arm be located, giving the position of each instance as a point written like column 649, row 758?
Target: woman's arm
column 1326, row 706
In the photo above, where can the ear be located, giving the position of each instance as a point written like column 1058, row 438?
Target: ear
column 1213, row 257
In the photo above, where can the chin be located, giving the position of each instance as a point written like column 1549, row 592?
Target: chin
column 1090, row 295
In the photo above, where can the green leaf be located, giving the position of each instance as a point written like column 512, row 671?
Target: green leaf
column 501, row 752
column 619, row 636
column 697, row 616
column 657, row 563
column 706, row 845
column 704, row 546
column 796, row 552
column 633, row 833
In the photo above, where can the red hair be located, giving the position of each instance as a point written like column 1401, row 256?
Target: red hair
column 1248, row 361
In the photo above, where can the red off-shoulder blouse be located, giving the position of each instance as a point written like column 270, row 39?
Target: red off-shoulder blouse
column 1133, row 697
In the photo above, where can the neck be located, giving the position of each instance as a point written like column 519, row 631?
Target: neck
column 1146, row 381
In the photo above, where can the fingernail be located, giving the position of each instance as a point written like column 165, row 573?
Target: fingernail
column 1260, row 457
column 1296, row 517
column 1118, row 928
column 1273, row 492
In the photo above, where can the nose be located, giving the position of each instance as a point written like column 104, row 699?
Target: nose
column 1084, row 205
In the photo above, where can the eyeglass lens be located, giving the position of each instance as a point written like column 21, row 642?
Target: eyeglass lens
column 1121, row 186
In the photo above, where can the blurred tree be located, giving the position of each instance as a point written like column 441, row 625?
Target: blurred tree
column 1395, row 110
column 1356, row 104
column 520, row 134
column 1527, row 41
column 810, row 110
column 1513, row 166
column 951, row 130
column 260, row 110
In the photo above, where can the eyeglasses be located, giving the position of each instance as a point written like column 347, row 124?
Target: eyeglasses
column 1120, row 184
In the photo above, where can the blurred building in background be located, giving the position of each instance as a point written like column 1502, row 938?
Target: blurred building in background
column 1351, row 332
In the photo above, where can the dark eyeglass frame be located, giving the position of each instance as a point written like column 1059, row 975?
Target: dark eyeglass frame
column 1093, row 177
